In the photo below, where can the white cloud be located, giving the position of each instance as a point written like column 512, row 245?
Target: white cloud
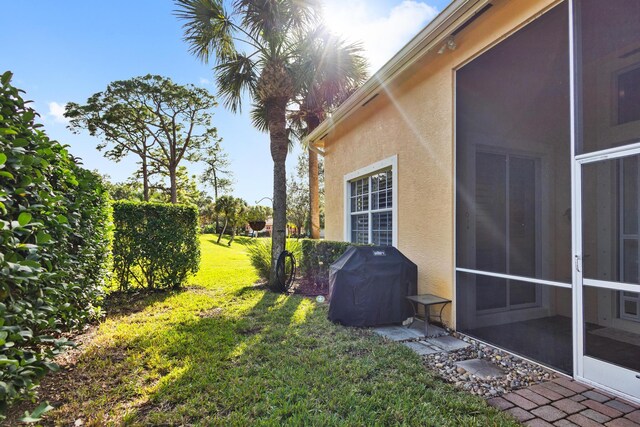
column 56, row 111
column 204, row 82
column 382, row 36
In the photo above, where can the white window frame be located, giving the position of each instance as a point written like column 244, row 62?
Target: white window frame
column 622, row 298
column 385, row 164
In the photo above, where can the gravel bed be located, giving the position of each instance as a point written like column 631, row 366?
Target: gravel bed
column 519, row 372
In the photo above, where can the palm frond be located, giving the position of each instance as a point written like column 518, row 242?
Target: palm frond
column 208, row 30
column 260, row 18
column 272, row 20
column 328, row 69
column 304, row 12
column 297, row 121
column 259, row 117
column 292, row 138
column 341, row 69
column 233, row 77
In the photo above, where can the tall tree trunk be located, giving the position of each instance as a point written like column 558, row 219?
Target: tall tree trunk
column 276, row 117
column 174, row 186
column 314, row 182
column 145, row 179
column 215, row 197
column 145, row 171
column 233, row 235
column 223, row 230
column 314, row 195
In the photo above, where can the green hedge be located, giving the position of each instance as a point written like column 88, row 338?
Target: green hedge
column 155, row 245
column 317, row 256
column 54, row 246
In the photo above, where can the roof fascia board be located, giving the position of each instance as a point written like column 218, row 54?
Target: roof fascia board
column 435, row 33
column 316, row 150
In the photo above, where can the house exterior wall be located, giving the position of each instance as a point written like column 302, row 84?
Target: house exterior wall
column 414, row 119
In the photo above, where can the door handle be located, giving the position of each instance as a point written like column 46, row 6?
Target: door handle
column 578, row 259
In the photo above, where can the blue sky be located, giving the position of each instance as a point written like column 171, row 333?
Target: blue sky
column 66, row 50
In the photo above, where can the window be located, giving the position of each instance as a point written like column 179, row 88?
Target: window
column 629, row 198
column 371, row 205
column 371, row 211
column 506, row 229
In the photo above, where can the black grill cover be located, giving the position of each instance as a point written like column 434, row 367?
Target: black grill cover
column 368, row 286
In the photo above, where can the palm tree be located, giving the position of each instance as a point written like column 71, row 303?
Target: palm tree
column 333, row 69
column 223, row 206
column 253, row 48
column 234, row 210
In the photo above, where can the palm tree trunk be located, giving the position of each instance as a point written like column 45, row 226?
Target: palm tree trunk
column 222, row 231
column 233, row 235
column 314, row 182
column 276, row 114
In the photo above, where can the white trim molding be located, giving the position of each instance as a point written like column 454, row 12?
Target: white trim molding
column 389, row 162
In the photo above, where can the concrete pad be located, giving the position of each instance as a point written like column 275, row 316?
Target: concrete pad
column 481, row 368
column 421, row 348
column 399, row 333
column 434, row 331
column 447, row 343
column 418, row 325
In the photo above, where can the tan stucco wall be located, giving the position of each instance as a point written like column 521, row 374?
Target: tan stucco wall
column 414, row 119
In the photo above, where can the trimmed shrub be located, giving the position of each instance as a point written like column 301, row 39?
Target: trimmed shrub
column 259, row 251
column 54, row 246
column 155, row 245
column 317, row 256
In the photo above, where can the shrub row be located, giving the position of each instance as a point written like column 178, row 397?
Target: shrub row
column 317, row 256
column 54, row 246
column 155, row 245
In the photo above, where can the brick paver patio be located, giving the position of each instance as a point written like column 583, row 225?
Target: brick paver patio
column 564, row 402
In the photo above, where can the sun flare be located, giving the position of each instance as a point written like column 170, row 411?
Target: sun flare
column 381, row 30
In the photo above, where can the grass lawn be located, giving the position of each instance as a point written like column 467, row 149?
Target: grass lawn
column 223, row 352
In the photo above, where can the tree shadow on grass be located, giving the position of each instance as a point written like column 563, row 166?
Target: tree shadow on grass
column 120, row 303
column 277, row 362
column 106, row 385
column 284, row 364
column 224, row 356
column 73, row 371
column 222, row 243
column 257, row 286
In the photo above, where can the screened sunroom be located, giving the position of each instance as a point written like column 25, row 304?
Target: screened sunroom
column 547, row 126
